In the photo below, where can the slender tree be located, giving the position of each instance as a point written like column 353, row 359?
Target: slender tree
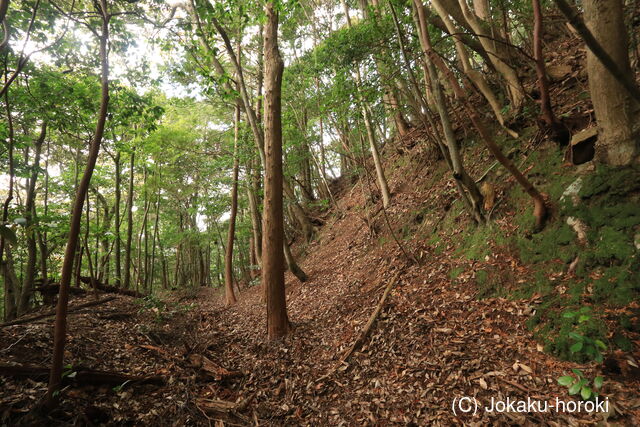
column 60, row 329
column 273, row 225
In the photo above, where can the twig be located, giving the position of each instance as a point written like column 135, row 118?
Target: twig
column 487, row 172
column 9, row 348
column 367, row 329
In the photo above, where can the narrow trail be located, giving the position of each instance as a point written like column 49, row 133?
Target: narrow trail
column 433, row 342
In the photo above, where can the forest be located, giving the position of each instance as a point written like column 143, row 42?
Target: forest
column 320, row 212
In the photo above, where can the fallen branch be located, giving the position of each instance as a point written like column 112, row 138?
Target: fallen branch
column 79, row 375
column 53, row 312
column 53, row 288
column 212, row 369
column 216, row 406
column 367, row 329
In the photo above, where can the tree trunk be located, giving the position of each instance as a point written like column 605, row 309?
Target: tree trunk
column 60, row 329
column 42, row 236
column 256, row 219
column 559, row 132
column 7, row 267
column 273, row 226
column 117, row 219
column 292, row 265
column 540, row 208
column 382, row 180
column 30, row 215
column 615, row 109
column 498, row 53
column 230, row 297
column 463, row 57
column 127, row 247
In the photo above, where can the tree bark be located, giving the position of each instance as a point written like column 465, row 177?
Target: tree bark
column 615, row 109
column 273, row 226
column 230, row 297
column 8, row 272
column 559, row 132
column 117, row 219
column 60, row 329
column 127, row 247
column 30, row 216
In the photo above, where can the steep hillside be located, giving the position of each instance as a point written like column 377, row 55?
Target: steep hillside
column 407, row 309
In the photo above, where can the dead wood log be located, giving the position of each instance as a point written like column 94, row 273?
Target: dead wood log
column 80, row 376
column 53, row 288
column 53, row 312
column 212, row 369
column 94, row 283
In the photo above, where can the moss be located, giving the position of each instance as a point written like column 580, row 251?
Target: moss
column 621, row 341
column 476, row 244
column 540, row 284
column 486, row 286
column 618, row 285
column 611, row 182
column 455, row 272
column 612, row 244
column 554, row 242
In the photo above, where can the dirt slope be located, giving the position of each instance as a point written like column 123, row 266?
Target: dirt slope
column 435, row 340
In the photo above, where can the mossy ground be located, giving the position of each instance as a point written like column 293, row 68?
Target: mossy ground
column 606, row 277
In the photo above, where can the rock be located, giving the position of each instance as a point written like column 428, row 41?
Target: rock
column 582, row 147
column 559, row 72
column 579, row 227
column 636, row 241
column 572, row 192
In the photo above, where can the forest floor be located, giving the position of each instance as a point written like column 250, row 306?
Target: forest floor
column 442, row 333
column 434, row 341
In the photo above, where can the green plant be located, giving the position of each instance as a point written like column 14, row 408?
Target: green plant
column 68, row 372
column 119, row 388
column 577, row 383
column 584, row 344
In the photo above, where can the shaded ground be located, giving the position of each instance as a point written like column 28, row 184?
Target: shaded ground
column 435, row 339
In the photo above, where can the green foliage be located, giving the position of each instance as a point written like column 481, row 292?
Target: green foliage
column 578, row 383
column 584, row 345
column 577, row 335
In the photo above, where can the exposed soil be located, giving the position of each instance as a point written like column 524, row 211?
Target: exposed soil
column 434, row 341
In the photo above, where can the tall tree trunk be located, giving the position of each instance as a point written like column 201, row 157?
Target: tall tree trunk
column 230, row 297
column 390, row 98
column 463, row 57
column 273, row 226
column 117, row 219
column 540, row 208
column 559, row 132
column 127, row 247
column 499, row 55
column 30, row 215
column 8, row 271
column 615, row 109
column 253, row 190
column 155, row 239
column 382, row 180
column 459, row 172
column 42, row 236
column 292, row 265
column 60, row 330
